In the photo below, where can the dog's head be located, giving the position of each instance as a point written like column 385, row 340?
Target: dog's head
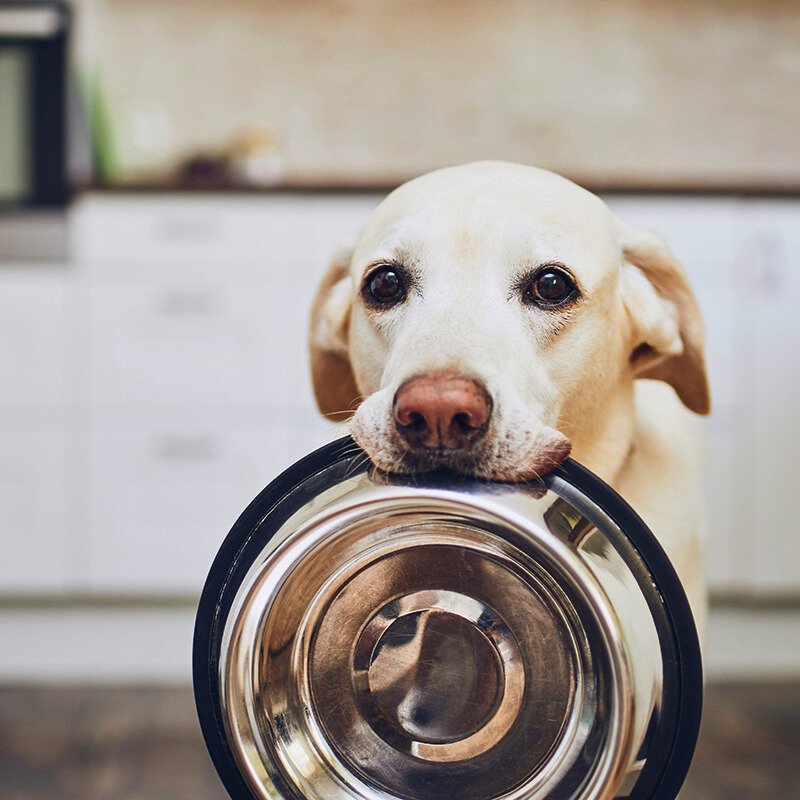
column 490, row 316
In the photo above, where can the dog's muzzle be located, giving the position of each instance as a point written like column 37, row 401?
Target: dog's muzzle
column 365, row 637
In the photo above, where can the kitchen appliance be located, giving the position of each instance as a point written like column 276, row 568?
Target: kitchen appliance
column 33, row 103
column 371, row 636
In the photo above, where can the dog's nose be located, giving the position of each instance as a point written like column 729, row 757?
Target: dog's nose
column 442, row 411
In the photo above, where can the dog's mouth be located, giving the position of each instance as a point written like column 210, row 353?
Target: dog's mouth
column 526, row 456
column 440, row 459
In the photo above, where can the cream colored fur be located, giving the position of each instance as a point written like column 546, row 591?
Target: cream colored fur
column 616, row 373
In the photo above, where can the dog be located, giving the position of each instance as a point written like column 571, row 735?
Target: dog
column 494, row 318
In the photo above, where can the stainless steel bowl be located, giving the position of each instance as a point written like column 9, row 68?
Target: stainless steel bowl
column 375, row 637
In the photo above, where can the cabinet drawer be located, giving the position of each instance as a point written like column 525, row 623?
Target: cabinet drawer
column 195, row 344
column 165, row 496
column 232, row 238
column 36, row 511
column 192, row 229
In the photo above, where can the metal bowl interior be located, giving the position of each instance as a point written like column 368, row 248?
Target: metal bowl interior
column 370, row 638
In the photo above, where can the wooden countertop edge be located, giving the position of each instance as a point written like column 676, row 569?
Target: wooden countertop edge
column 766, row 190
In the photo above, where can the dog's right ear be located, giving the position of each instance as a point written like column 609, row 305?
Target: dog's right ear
column 331, row 372
column 668, row 331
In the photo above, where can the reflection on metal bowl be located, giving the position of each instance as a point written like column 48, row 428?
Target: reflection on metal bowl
column 367, row 636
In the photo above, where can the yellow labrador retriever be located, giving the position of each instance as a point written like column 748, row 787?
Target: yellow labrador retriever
column 494, row 318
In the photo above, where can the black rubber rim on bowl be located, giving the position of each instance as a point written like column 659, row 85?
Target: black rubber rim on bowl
column 672, row 743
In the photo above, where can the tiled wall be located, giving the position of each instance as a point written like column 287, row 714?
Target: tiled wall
column 627, row 92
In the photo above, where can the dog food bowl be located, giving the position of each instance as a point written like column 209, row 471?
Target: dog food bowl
column 435, row 638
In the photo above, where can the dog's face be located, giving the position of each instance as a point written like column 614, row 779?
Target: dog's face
column 490, row 316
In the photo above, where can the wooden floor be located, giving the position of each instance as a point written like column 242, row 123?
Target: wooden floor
column 144, row 744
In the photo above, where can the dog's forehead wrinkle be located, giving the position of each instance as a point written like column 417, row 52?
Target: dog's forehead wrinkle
column 402, row 233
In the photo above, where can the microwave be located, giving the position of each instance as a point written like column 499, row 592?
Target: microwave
column 33, row 104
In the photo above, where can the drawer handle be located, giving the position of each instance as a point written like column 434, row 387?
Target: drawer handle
column 187, row 229
column 173, row 447
column 188, row 303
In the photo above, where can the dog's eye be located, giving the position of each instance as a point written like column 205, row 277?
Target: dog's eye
column 550, row 287
column 385, row 286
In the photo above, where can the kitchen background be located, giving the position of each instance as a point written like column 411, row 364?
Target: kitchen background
column 152, row 330
column 623, row 94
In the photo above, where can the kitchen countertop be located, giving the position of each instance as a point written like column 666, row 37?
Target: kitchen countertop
column 632, row 187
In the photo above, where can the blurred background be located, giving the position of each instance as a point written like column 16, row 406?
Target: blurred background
column 174, row 175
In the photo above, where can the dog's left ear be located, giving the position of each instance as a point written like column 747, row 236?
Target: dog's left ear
column 331, row 372
column 667, row 329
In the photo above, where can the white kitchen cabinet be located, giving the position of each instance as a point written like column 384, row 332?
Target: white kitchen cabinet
column 37, row 354
column 183, row 343
column 202, row 343
column 199, row 393
column 773, row 286
column 39, row 453
column 162, row 500
column 40, row 549
column 190, row 230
